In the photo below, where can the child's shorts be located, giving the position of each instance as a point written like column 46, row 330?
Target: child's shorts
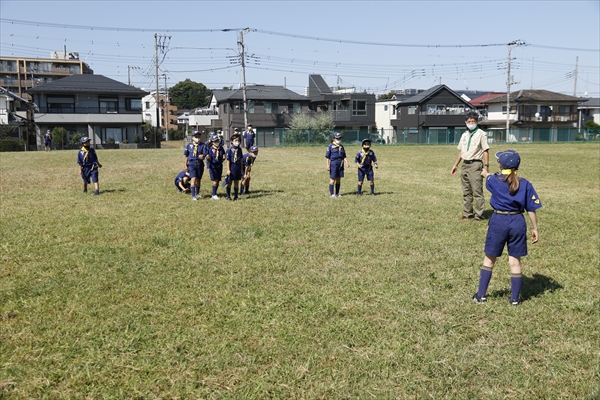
column 216, row 172
column 368, row 173
column 336, row 170
column 506, row 229
column 196, row 170
column 89, row 173
column 236, row 172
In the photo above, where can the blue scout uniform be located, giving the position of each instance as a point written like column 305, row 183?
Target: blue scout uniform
column 249, row 138
column 214, row 161
column 336, row 154
column 507, row 224
column 234, row 155
column 366, row 159
column 47, row 140
column 194, row 153
column 247, row 160
column 179, row 179
column 88, row 160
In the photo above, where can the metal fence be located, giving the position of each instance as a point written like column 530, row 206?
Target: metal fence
column 289, row 137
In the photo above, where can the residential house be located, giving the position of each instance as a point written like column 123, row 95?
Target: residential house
column 164, row 108
column 481, row 107
column 436, row 115
column 535, row 115
column 18, row 74
column 351, row 112
column 589, row 110
column 269, row 107
column 16, row 114
column 94, row 105
column 385, row 112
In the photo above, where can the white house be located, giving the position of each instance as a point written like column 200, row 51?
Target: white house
column 385, row 112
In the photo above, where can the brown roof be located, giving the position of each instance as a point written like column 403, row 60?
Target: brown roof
column 530, row 96
column 476, row 102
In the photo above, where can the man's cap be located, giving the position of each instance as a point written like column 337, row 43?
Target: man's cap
column 509, row 159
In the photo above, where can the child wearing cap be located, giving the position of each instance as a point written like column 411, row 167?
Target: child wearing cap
column 194, row 163
column 88, row 165
column 247, row 162
column 215, row 155
column 48, row 140
column 234, row 156
column 182, row 182
column 511, row 196
column 249, row 136
column 365, row 160
column 336, row 159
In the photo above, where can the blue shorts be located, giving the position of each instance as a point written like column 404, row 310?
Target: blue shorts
column 336, row 170
column 368, row 173
column 196, row 169
column 236, row 172
column 216, row 172
column 88, row 173
column 506, row 229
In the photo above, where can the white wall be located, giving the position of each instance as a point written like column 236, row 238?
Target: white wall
column 4, row 107
column 384, row 113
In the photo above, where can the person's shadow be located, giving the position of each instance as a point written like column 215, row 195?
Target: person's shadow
column 535, row 286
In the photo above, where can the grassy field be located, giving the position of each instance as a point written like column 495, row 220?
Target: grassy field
column 288, row 294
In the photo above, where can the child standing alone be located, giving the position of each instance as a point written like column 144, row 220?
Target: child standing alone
column 336, row 158
column 88, row 165
column 511, row 196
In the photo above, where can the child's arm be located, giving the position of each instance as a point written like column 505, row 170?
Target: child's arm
column 185, row 166
column 534, row 227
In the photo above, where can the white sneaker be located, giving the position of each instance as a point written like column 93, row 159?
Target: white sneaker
column 333, row 196
column 198, row 196
column 338, row 195
column 194, row 198
column 215, row 197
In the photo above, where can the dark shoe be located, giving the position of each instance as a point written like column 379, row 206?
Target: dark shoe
column 479, row 301
column 96, row 193
column 85, row 191
column 235, row 198
column 477, row 219
column 229, row 198
column 515, row 302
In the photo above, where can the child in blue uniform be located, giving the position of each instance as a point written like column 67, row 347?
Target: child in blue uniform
column 511, row 196
column 247, row 162
column 182, row 182
column 194, row 163
column 234, row 156
column 336, row 158
column 48, row 140
column 215, row 155
column 88, row 165
column 249, row 136
column 365, row 160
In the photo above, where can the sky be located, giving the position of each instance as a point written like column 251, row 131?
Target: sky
column 373, row 46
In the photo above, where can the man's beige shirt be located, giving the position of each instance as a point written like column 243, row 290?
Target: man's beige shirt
column 478, row 145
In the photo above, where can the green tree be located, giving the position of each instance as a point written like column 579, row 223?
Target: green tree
column 386, row 96
column 310, row 128
column 74, row 139
column 592, row 127
column 59, row 136
column 189, row 94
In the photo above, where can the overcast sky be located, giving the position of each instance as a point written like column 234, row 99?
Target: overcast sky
column 375, row 46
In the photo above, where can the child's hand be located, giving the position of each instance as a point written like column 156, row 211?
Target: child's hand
column 99, row 165
column 376, row 166
column 534, row 236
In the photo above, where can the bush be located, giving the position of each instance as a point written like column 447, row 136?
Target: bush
column 8, row 144
column 59, row 136
column 74, row 139
column 136, row 138
column 109, row 141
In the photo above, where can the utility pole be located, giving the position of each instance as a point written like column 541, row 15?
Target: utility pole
column 156, row 74
column 166, row 109
column 509, row 82
column 243, row 59
column 130, row 67
column 576, row 70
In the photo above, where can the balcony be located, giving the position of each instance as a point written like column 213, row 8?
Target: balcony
column 549, row 118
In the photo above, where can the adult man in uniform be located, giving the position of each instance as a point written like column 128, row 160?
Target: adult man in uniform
column 472, row 147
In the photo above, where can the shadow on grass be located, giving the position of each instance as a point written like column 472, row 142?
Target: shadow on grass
column 112, row 191
column 365, row 193
column 535, row 286
column 254, row 194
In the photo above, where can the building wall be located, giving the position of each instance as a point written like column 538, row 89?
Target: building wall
column 385, row 111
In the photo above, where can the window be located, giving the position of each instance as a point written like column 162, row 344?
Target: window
column 250, row 107
column 109, row 106
column 225, row 108
column 271, row 108
column 359, row 107
column 513, row 109
column 133, row 104
column 528, row 111
column 294, row 108
column 147, row 105
column 114, row 133
column 564, row 110
column 412, row 110
column 60, row 104
column 385, row 108
column 436, row 109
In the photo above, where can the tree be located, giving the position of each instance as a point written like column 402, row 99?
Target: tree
column 386, row 96
column 307, row 128
column 189, row 94
column 59, row 136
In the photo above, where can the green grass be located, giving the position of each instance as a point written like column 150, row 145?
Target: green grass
column 141, row 293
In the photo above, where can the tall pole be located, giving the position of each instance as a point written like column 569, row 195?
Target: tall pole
column 508, row 83
column 243, row 58
column 576, row 67
column 166, row 109
column 156, row 73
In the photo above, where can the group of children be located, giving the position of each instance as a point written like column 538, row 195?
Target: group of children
column 239, row 165
column 511, row 195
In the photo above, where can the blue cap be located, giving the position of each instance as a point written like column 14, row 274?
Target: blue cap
column 337, row 135
column 253, row 149
column 196, row 133
column 509, row 159
column 84, row 139
column 213, row 137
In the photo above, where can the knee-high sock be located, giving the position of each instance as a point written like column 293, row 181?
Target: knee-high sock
column 515, row 286
column 485, row 275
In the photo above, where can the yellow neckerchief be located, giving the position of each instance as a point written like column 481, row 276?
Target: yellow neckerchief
column 196, row 149
column 365, row 154
column 507, row 171
column 235, row 154
column 87, row 153
column 470, row 136
column 215, row 146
